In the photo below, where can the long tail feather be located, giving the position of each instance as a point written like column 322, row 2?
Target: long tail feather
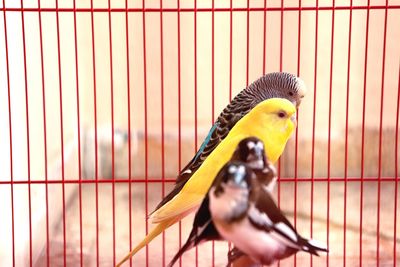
column 177, row 188
column 155, row 232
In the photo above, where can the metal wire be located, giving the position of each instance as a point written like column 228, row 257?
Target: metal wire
column 148, row 179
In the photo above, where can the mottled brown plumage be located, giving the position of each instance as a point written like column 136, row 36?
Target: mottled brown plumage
column 272, row 85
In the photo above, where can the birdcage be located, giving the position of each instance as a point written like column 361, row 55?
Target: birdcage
column 102, row 103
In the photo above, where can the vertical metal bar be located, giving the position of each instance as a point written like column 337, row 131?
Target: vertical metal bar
column 112, row 128
column 380, row 138
column 264, row 35
column 179, row 112
column 347, row 134
column 230, row 49
column 281, row 37
column 61, row 135
column 329, row 130
column 280, row 69
column 129, row 128
column 145, row 127
column 212, row 67
column 247, row 42
column 363, row 131
column 95, row 135
column 10, row 133
column 45, row 137
column 162, row 121
column 396, row 160
column 27, row 134
column 212, row 98
column 230, row 66
column 195, row 97
column 195, row 75
column 297, row 128
column 79, row 139
column 313, row 129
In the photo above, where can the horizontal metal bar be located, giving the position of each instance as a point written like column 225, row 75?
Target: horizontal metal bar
column 92, row 181
column 238, row 9
column 172, row 180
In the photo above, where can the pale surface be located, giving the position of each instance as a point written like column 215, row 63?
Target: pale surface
column 171, row 237
column 52, row 82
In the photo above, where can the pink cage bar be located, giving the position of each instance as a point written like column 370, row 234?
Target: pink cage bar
column 103, row 101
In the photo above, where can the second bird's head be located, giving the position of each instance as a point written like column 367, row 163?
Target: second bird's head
column 234, row 175
column 251, row 151
column 230, row 192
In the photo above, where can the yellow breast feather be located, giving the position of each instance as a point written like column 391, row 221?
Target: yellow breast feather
column 272, row 121
column 263, row 122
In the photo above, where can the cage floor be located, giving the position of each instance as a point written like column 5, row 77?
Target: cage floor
column 337, row 245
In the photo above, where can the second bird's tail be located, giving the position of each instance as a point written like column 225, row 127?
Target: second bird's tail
column 313, row 247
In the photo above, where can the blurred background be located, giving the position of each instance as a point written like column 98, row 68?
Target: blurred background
column 91, row 100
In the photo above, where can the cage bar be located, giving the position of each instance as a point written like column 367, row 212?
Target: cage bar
column 380, row 140
column 396, row 156
column 27, row 136
column 145, row 125
column 10, row 136
column 363, row 134
column 347, row 134
column 234, row 9
column 133, row 156
column 329, row 132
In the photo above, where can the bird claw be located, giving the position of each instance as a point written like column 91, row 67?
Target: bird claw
column 233, row 255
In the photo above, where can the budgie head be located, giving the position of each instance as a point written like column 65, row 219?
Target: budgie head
column 279, row 116
column 278, row 85
column 273, row 121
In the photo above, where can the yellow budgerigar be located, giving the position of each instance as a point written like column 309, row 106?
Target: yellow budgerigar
column 272, row 120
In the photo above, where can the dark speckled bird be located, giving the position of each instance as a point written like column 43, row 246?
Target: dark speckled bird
column 239, row 207
column 244, row 213
column 274, row 95
column 272, row 85
column 251, row 152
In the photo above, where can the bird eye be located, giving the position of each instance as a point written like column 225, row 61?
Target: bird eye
column 260, row 145
column 281, row 114
column 291, row 93
column 251, row 145
column 232, row 169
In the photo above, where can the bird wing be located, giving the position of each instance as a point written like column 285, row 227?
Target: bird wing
column 266, row 216
column 212, row 140
column 239, row 107
column 193, row 192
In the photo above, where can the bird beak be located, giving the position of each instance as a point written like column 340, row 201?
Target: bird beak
column 302, row 88
column 293, row 119
column 302, row 91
